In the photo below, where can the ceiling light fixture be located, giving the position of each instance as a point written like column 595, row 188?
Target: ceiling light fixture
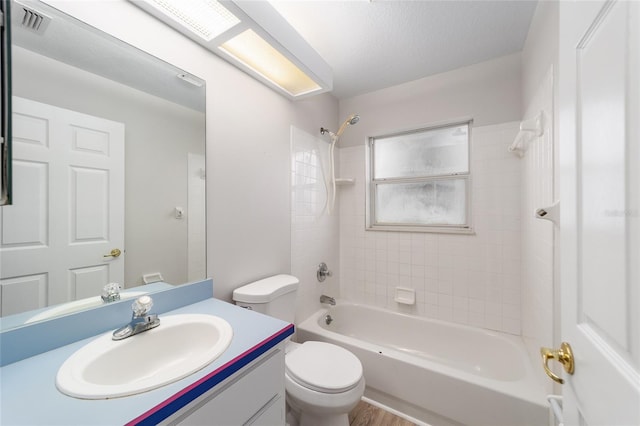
column 251, row 35
column 204, row 18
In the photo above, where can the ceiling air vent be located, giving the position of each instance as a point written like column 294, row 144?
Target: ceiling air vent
column 35, row 21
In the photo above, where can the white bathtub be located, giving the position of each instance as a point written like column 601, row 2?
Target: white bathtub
column 434, row 371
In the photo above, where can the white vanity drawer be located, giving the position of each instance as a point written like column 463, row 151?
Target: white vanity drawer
column 242, row 398
column 271, row 415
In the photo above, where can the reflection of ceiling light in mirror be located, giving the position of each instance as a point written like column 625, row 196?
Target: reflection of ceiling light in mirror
column 253, row 51
column 205, row 18
column 256, row 39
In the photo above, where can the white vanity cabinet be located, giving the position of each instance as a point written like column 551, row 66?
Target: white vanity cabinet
column 252, row 396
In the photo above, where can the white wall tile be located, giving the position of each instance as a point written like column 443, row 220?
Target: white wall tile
column 314, row 234
column 468, row 279
column 537, row 236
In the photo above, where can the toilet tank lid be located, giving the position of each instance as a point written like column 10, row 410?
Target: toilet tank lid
column 266, row 290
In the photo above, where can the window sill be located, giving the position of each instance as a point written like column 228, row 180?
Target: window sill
column 429, row 229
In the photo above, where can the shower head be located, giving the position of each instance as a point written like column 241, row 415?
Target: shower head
column 352, row 120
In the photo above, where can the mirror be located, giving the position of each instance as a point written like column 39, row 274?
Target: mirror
column 108, row 166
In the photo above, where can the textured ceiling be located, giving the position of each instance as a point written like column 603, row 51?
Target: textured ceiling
column 376, row 44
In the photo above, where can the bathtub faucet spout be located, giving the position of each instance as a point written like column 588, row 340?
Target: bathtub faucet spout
column 327, row 299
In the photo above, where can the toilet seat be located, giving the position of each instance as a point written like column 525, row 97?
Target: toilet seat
column 323, row 367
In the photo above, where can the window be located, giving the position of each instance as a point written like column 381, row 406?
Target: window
column 420, row 180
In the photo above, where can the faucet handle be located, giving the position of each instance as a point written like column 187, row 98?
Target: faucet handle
column 110, row 292
column 323, row 272
column 142, row 306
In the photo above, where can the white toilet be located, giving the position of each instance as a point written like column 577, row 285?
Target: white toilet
column 323, row 382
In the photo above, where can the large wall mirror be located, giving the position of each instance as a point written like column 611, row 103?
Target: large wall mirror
column 108, row 166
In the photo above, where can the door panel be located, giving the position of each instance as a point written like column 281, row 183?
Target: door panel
column 30, row 207
column 89, row 205
column 23, row 293
column 601, row 68
column 87, row 281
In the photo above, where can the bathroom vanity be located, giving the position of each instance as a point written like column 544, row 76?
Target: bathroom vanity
column 244, row 385
column 254, row 395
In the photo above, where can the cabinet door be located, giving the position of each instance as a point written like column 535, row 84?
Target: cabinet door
column 241, row 399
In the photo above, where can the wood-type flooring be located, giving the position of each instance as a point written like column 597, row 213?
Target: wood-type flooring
column 368, row 415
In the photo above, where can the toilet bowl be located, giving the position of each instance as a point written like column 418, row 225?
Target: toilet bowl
column 323, row 381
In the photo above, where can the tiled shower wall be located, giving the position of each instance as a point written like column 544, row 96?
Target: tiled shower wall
column 314, row 233
column 467, row 279
column 538, row 235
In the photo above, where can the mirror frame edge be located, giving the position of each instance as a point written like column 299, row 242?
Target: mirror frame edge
column 5, row 135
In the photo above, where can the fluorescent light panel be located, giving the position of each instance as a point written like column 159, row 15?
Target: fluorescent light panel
column 254, row 52
column 205, row 18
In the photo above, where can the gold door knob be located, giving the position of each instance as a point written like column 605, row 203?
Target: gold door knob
column 114, row 253
column 564, row 356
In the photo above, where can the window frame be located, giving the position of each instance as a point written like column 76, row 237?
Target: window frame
column 371, row 184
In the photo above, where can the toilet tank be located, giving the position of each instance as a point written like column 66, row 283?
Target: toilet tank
column 274, row 296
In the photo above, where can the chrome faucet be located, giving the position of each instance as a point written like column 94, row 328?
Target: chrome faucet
column 110, row 293
column 327, row 299
column 141, row 320
column 323, row 272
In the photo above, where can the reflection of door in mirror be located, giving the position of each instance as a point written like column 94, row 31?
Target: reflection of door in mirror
column 70, row 65
column 69, row 170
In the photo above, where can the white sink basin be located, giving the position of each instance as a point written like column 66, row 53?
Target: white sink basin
column 78, row 305
column 180, row 346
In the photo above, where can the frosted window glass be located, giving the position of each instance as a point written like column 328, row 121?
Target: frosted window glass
column 436, row 202
column 433, row 152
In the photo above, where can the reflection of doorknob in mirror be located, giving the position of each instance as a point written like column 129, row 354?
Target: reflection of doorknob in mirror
column 564, row 356
column 114, row 253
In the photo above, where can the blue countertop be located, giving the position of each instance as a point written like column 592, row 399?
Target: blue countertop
column 28, row 393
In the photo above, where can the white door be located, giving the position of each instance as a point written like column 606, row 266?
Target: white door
column 599, row 140
column 68, row 210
